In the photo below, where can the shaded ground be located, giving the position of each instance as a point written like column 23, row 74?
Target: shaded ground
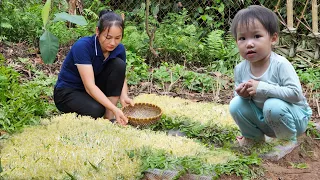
column 302, row 163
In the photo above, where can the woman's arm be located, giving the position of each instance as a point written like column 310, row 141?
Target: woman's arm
column 87, row 76
column 124, row 99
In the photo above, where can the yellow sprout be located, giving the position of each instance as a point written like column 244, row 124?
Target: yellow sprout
column 84, row 148
column 205, row 113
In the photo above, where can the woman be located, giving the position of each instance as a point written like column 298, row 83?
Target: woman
column 92, row 77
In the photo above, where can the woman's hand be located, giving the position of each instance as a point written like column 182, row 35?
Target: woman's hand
column 121, row 119
column 252, row 86
column 125, row 101
column 242, row 90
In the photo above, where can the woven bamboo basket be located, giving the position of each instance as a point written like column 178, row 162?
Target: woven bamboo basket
column 142, row 114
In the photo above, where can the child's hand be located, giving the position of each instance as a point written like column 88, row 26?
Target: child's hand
column 242, row 90
column 252, row 86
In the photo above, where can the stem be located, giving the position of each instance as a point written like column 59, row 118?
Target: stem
column 152, row 33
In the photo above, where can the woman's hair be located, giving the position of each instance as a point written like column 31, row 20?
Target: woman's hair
column 265, row 16
column 107, row 19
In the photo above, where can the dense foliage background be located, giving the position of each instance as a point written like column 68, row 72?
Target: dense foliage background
column 184, row 45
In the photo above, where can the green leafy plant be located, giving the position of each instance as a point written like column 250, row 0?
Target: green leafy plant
column 207, row 134
column 163, row 74
column 312, row 130
column 49, row 43
column 177, row 38
column 310, row 76
column 4, row 24
column 23, row 103
column 137, row 69
column 169, row 74
column 22, row 18
column 220, row 47
column 136, row 40
column 212, row 16
column 199, row 82
column 243, row 166
column 240, row 167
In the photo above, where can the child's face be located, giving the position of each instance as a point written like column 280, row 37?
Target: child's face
column 254, row 42
column 110, row 38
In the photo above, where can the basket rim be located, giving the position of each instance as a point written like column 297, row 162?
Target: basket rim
column 144, row 119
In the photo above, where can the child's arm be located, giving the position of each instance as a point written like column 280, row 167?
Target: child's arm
column 288, row 87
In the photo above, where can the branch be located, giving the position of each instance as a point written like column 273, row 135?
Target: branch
column 308, row 27
column 282, row 21
column 152, row 33
column 302, row 13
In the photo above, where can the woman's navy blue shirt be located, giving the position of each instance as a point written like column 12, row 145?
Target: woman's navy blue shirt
column 86, row 50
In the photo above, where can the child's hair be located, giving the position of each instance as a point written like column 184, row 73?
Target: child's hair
column 265, row 16
column 107, row 19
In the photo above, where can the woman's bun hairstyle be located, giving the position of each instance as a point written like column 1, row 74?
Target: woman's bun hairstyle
column 107, row 19
column 104, row 11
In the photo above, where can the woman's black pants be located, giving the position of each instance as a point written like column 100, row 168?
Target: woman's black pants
column 110, row 82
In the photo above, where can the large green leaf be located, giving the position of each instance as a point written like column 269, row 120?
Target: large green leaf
column 49, row 46
column 45, row 12
column 79, row 20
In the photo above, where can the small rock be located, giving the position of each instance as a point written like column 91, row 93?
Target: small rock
column 176, row 133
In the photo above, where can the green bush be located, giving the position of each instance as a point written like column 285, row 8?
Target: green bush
column 137, row 69
column 310, row 76
column 136, row 40
column 23, row 20
column 22, row 103
column 178, row 38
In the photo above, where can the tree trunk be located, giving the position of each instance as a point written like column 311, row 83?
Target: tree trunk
column 75, row 7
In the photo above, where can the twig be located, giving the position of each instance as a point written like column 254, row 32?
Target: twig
column 276, row 7
column 305, row 26
column 152, row 33
column 181, row 75
column 299, row 172
column 151, row 81
column 317, row 103
column 302, row 13
column 306, row 53
column 302, row 58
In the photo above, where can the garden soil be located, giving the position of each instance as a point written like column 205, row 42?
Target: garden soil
column 303, row 163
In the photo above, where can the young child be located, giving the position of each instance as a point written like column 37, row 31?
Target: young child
column 268, row 95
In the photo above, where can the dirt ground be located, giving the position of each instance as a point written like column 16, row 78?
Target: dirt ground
column 301, row 164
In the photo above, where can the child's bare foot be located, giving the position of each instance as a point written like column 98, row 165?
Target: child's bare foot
column 247, row 142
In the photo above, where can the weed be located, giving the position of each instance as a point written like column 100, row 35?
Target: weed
column 299, row 165
column 312, row 130
column 210, row 134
